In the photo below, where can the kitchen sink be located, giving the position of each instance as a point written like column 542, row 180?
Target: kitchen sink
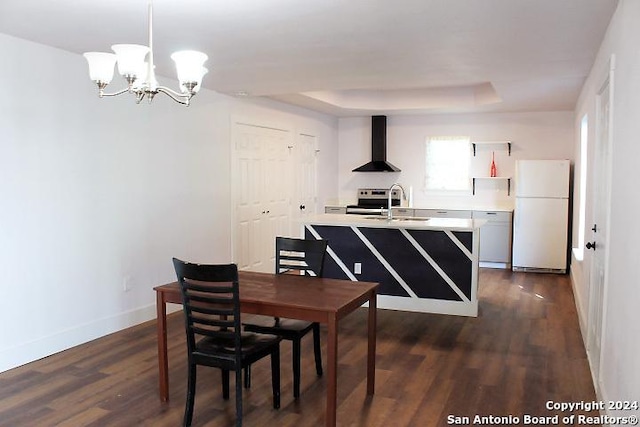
column 380, row 218
column 411, row 218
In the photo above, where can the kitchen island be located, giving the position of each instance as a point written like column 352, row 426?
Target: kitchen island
column 422, row 264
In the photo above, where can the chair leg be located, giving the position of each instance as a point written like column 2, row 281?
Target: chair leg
column 238, row 396
column 275, row 377
column 316, row 348
column 247, row 376
column 295, row 345
column 191, row 394
column 225, row 384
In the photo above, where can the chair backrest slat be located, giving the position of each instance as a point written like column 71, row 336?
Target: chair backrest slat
column 303, row 255
column 209, row 320
column 211, row 310
column 211, row 302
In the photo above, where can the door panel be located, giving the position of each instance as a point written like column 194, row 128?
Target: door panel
column 305, row 192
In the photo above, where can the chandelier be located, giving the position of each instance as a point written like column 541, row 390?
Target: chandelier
column 140, row 75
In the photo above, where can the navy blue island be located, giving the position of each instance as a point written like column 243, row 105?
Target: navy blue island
column 422, row 264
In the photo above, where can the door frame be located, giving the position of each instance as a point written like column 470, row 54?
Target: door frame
column 598, row 292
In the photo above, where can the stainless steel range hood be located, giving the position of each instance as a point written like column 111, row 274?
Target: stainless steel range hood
column 378, row 161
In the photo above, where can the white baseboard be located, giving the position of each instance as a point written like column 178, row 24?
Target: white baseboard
column 602, row 396
column 65, row 339
column 500, row 265
column 426, row 305
column 581, row 310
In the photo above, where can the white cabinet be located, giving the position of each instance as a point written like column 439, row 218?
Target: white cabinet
column 335, row 209
column 442, row 213
column 495, row 237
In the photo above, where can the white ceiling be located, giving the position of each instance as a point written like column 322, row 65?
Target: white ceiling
column 350, row 57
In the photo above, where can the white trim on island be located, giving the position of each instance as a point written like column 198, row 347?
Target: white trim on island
column 423, row 264
column 380, row 221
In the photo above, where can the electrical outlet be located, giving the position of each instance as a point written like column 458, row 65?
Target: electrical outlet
column 357, row 268
column 126, row 283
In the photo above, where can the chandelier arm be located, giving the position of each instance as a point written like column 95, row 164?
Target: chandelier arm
column 120, row 92
column 178, row 97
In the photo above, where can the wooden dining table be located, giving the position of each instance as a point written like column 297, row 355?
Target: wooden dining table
column 293, row 296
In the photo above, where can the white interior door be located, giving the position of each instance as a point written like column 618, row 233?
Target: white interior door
column 262, row 184
column 305, row 193
column 601, row 202
column 276, row 188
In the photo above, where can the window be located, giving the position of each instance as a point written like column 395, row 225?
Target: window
column 447, row 163
column 584, row 131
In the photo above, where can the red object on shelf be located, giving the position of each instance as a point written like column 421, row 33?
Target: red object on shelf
column 493, row 172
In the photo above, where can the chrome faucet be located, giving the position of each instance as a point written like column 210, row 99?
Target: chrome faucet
column 396, row 185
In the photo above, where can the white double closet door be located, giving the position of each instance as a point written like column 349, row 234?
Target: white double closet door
column 274, row 180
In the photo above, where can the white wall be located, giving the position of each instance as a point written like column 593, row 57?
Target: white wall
column 98, row 191
column 620, row 369
column 548, row 135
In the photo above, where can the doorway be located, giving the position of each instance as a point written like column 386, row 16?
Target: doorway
column 274, row 182
column 261, row 180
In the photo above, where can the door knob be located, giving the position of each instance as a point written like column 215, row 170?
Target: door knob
column 302, row 207
column 595, row 228
column 591, row 245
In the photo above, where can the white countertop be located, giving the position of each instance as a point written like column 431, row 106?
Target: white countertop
column 453, row 224
column 475, row 207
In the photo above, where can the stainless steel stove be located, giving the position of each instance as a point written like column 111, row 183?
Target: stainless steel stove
column 374, row 201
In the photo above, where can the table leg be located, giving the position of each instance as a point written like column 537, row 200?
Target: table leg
column 163, row 362
column 332, row 368
column 371, row 350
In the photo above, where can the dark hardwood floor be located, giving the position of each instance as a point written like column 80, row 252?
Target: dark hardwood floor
column 523, row 350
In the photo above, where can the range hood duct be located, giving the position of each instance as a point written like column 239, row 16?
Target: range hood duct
column 378, row 161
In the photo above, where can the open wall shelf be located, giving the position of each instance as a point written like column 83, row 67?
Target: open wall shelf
column 499, row 178
column 505, row 144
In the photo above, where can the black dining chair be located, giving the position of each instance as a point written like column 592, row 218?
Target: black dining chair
column 293, row 256
column 211, row 306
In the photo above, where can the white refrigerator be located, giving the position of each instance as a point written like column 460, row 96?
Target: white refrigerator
column 541, row 216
